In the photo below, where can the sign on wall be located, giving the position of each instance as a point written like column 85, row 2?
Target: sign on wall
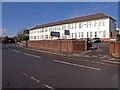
column 67, row 32
column 55, row 34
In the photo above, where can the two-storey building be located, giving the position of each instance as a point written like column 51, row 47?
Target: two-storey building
column 92, row 26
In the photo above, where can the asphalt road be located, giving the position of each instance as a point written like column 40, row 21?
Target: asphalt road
column 24, row 68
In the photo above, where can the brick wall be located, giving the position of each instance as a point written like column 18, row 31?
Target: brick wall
column 71, row 46
column 115, row 48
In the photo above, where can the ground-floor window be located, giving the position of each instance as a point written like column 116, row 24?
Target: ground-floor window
column 75, row 35
column 95, row 34
column 34, row 37
column 100, row 33
column 37, row 37
column 90, row 34
column 104, row 33
column 72, row 35
column 79, row 34
column 46, row 36
column 82, row 34
column 31, row 37
column 87, row 34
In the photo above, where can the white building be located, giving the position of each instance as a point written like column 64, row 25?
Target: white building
column 92, row 26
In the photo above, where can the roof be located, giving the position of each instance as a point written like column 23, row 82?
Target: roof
column 73, row 20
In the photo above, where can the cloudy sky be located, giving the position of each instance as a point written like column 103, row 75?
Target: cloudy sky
column 19, row 15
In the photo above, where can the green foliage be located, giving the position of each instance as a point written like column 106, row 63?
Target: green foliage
column 5, row 39
column 21, row 36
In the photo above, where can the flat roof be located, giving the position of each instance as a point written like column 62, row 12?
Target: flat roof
column 73, row 20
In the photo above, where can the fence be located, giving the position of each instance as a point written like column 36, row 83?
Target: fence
column 61, row 45
column 115, row 48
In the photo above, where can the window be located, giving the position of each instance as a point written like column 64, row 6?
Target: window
column 34, row 37
column 80, row 25
column 72, row 35
column 100, row 23
column 69, row 26
column 46, row 36
column 82, row 34
column 103, row 22
column 72, row 26
column 45, row 29
column 100, row 33
column 87, row 24
column 87, row 34
column 75, row 35
column 90, row 34
column 104, row 33
column 49, row 36
column 63, row 27
column 95, row 34
column 90, row 24
column 37, row 37
column 42, row 29
column 31, row 37
column 35, row 31
column 75, row 25
column 42, row 36
column 95, row 23
column 79, row 34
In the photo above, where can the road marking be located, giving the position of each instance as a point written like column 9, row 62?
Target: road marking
column 48, row 86
column 32, row 55
column 78, row 65
column 24, row 74
column 35, row 79
column 16, row 51
column 27, row 54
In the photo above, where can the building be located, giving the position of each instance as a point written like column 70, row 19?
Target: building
column 118, row 29
column 92, row 26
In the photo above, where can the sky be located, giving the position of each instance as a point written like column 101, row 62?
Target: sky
column 17, row 16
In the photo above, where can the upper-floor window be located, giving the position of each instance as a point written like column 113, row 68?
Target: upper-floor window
column 103, row 22
column 100, row 23
column 63, row 27
column 90, row 23
column 42, row 29
column 95, row 23
column 69, row 26
column 72, row 26
column 87, row 24
column 75, row 25
column 80, row 25
column 35, row 31
column 45, row 29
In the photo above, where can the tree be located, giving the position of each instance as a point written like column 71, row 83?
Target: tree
column 22, row 35
column 5, row 39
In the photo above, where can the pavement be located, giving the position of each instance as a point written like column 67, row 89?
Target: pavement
column 35, row 68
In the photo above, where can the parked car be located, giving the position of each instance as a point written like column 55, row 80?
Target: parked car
column 96, row 40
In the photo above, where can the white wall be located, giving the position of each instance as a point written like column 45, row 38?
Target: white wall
column 105, row 27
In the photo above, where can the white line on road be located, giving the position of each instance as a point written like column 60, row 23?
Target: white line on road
column 77, row 65
column 35, row 79
column 32, row 55
column 48, row 86
column 16, row 51
column 38, row 81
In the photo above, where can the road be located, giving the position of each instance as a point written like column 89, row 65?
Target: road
column 23, row 68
